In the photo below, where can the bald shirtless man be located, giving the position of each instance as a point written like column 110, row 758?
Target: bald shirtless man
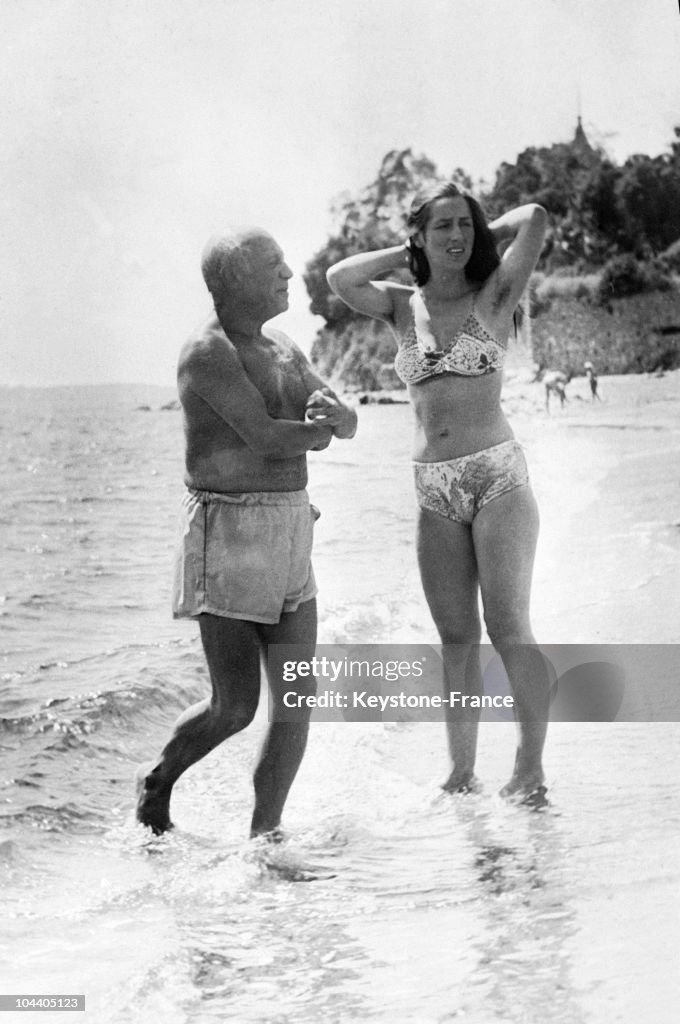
column 253, row 407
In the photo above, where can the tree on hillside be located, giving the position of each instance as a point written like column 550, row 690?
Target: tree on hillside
column 603, row 211
column 597, row 209
column 648, row 197
column 561, row 178
column 373, row 219
column 539, row 176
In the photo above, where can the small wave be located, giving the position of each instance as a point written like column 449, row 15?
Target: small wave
column 345, row 463
column 112, row 657
column 39, row 601
column 617, row 426
column 68, row 817
column 39, row 500
column 74, row 717
column 92, row 733
column 378, row 620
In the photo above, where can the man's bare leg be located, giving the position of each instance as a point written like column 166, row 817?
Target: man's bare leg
column 232, row 651
column 285, row 742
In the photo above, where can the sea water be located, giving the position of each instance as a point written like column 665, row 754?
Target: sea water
column 419, row 907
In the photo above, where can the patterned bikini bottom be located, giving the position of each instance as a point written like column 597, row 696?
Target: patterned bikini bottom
column 459, row 488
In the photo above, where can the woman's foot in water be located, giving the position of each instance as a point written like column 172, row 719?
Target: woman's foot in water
column 462, row 782
column 528, row 790
column 153, row 802
column 275, row 835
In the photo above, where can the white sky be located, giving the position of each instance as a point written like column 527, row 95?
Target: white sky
column 130, row 130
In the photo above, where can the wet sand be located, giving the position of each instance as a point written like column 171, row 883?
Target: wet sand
column 605, row 476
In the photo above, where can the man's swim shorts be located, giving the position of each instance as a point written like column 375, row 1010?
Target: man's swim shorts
column 244, row 556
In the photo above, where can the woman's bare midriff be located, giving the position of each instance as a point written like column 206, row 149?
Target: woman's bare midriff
column 456, row 416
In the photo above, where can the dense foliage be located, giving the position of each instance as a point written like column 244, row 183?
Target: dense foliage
column 598, row 209
column 625, row 275
column 621, row 220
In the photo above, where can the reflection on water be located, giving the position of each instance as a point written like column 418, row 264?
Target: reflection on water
column 525, row 960
column 425, row 907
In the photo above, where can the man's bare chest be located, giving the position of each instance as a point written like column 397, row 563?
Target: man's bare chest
column 278, row 379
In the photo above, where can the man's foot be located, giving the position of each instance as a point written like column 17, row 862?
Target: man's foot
column 285, row 862
column 153, row 803
column 462, row 782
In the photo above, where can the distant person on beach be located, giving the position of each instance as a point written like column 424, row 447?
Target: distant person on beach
column 592, row 380
column 253, row 408
column 478, row 520
column 555, row 383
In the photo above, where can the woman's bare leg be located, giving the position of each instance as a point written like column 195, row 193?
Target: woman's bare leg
column 505, row 532
column 449, row 575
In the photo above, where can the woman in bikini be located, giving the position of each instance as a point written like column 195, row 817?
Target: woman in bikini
column 477, row 517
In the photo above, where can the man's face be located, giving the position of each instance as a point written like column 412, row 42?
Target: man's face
column 265, row 281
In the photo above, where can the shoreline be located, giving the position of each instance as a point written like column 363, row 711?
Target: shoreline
column 521, row 393
column 609, row 550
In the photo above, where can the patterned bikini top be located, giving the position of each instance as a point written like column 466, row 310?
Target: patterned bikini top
column 472, row 351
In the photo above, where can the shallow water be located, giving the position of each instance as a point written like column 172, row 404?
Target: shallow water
column 424, row 908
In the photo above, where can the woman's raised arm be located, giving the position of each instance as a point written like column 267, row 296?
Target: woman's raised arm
column 519, row 234
column 352, row 279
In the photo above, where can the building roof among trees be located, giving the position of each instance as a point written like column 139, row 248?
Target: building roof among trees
column 580, row 143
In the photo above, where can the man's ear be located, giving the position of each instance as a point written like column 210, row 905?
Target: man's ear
column 240, row 270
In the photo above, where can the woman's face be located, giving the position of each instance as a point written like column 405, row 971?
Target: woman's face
column 449, row 235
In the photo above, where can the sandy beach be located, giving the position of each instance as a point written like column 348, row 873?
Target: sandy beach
column 605, row 475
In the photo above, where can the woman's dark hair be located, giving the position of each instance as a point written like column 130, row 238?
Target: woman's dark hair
column 484, row 258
